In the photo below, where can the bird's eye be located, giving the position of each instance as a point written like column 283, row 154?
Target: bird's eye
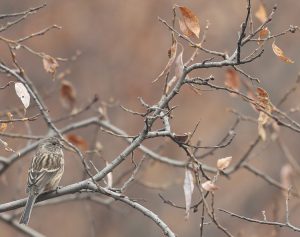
column 54, row 143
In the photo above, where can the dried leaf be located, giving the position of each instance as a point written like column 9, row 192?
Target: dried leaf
column 191, row 20
column 223, row 163
column 179, row 65
column 67, row 94
column 188, row 188
column 184, row 29
column 3, row 127
column 262, row 120
column 280, row 54
column 22, row 93
column 209, row 186
column 261, row 13
column 172, row 55
column 263, row 100
column 178, row 72
column 77, row 141
column 232, row 79
column 181, row 138
column 265, row 104
column 263, row 34
column 50, row 64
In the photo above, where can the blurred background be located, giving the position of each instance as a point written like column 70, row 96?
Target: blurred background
column 123, row 49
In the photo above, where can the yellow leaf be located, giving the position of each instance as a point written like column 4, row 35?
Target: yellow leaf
column 261, row 14
column 191, row 20
column 280, row 54
column 3, row 127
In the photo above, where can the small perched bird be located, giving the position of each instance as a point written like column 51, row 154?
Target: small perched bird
column 46, row 170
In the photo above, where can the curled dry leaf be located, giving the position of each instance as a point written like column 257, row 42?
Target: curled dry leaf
column 263, row 100
column 172, row 55
column 67, row 94
column 265, row 104
column 23, row 94
column 263, row 34
column 188, row 188
column 280, row 54
column 77, row 141
column 181, row 138
column 190, row 20
column 261, row 13
column 224, row 163
column 178, row 72
column 232, row 79
column 179, row 65
column 209, row 186
column 50, row 64
column 262, row 120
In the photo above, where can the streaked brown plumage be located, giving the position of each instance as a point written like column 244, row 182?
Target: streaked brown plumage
column 46, row 170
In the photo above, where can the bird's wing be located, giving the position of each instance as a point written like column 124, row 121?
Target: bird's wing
column 43, row 168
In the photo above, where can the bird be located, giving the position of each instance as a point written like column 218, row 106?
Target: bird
column 45, row 172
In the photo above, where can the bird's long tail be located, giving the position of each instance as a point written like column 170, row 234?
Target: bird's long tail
column 27, row 210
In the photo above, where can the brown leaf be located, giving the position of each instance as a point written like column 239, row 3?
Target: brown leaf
column 3, row 127
column 77, row 141
column 223, row 163
column 172, row 55
column 50, row 64
column 209, row 186
column 188, row 188
column 191, row 20
column 67, row 94
column 261, row 13
column 181, row 138
column 263, row 34
column 184, row 29
column 263, row 102
column 280, row 54
column 232, row 79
